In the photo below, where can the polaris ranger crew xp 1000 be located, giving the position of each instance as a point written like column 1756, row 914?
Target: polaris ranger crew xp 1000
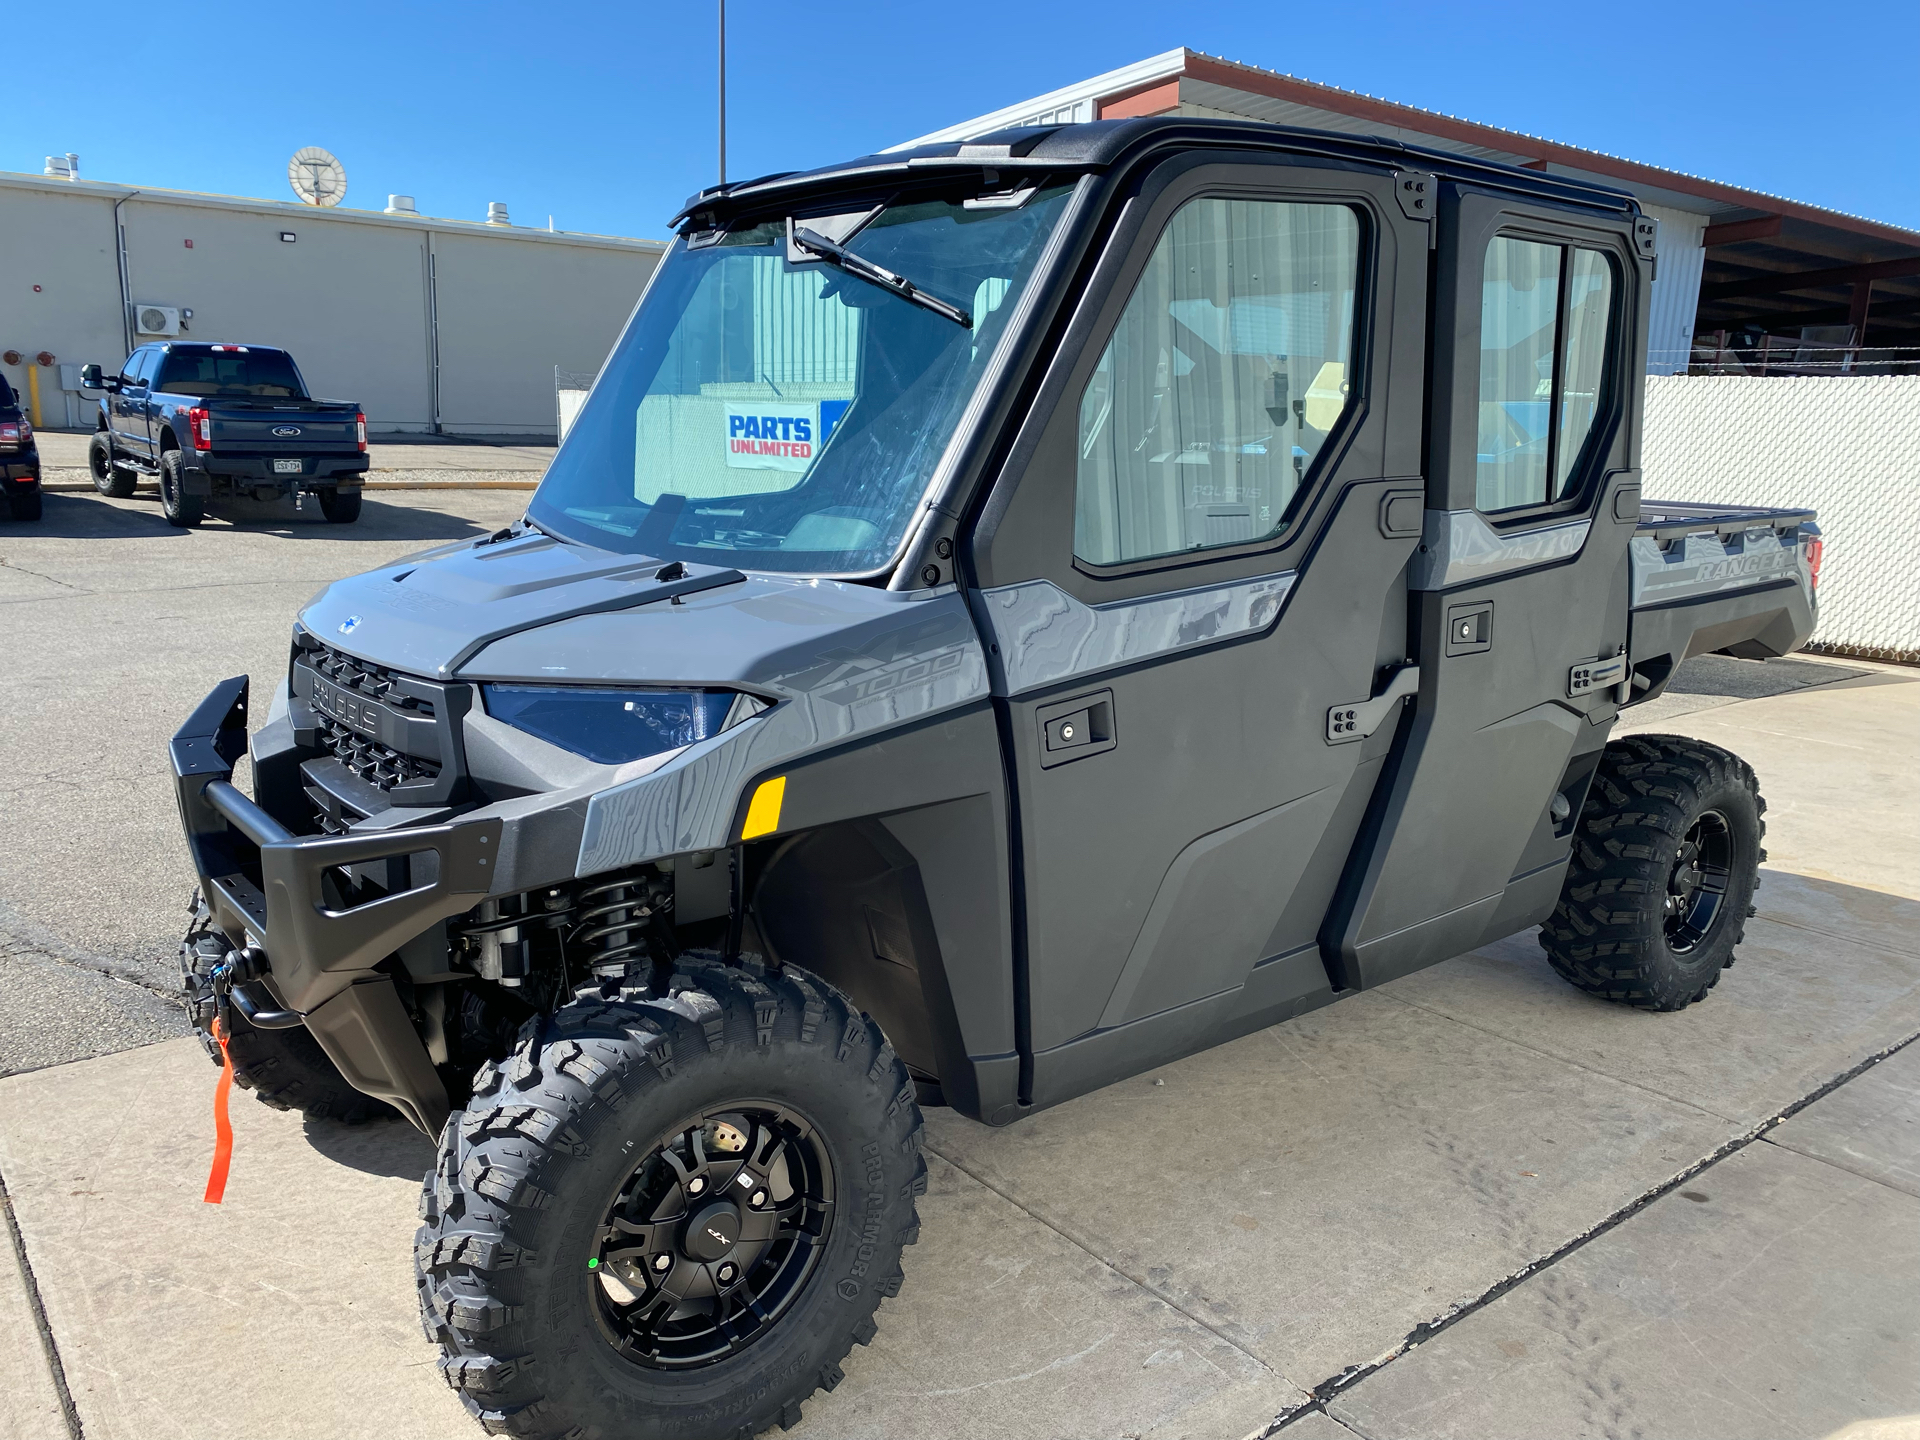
column 1009, row 615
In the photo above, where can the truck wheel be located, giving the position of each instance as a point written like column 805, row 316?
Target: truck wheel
column 1665, row 862
column 670, row 1219
column 285, row 1069
column 108, row 479
column 341, row 507
column 181, row 509
column 25, row 503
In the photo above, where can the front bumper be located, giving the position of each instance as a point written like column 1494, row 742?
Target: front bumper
column 269, row 887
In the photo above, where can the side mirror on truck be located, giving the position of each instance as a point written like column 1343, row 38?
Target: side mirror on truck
column 90, row 378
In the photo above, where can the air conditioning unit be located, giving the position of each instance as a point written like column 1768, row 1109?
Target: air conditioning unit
column 156, row 319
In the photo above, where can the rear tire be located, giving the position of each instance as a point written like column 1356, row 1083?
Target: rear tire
column 24, row 503
column 108, row 478
column 183, row 511
column 554, row 1184
column 1665, row 862
column 285, row 1069
column 341, row 507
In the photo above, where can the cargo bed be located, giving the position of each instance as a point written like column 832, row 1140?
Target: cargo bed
column 1736, row 579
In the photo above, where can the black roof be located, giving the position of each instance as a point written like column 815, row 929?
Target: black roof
column 1102, row 144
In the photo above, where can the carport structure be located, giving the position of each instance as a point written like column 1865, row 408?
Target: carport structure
column 1746, row 280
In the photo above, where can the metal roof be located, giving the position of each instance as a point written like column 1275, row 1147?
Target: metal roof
column 1164, row 80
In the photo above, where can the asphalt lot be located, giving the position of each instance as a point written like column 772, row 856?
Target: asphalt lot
column 116, row 625
column 1473, row 1202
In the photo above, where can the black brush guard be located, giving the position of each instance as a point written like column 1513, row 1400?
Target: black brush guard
column 266, row 887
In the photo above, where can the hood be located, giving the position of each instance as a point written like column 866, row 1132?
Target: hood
column 536, row 609
column 430, row 614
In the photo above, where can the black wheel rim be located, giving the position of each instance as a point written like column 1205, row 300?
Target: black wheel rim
column 712, row 1237
column 1697, row 883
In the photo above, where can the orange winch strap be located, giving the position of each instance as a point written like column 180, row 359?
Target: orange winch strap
column 222, row 1127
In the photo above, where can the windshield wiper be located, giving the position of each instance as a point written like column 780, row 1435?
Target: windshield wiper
column 815, row 243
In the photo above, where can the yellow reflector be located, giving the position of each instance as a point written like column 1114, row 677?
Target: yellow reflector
column 763, row 815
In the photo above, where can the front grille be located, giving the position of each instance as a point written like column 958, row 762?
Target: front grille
column 374, row 681
column 373, row 762
column 369, row 691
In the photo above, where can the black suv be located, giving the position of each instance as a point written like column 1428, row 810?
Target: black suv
column 19, row 458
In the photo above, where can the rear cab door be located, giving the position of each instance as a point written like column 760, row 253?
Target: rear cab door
column 1520, row 589
column 1195, row 552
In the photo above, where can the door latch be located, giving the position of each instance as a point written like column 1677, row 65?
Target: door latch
column 1591, row 675
column 1360, row 718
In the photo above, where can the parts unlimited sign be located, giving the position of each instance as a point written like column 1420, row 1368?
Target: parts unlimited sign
column 768, row 435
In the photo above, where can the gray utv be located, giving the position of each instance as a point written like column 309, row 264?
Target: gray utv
column 1009, row 615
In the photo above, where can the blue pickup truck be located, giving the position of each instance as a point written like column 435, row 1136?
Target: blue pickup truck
column 228, row 422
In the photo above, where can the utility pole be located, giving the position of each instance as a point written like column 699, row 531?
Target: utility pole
column 723, row 92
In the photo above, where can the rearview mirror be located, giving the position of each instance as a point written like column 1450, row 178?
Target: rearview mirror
column 90, row 378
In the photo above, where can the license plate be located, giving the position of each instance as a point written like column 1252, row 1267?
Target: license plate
column 289, row 467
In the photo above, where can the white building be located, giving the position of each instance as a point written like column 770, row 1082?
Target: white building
column 432, row 325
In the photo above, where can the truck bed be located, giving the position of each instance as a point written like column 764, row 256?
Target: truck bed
column 1734, row 579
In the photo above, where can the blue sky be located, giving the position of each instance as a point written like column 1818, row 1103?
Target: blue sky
column 603, row 116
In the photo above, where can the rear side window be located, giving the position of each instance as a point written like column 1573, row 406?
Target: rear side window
column 1545, row 316
column 1228, row 368
column 231, row 371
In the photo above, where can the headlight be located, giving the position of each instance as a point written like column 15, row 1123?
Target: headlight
column 611, row 727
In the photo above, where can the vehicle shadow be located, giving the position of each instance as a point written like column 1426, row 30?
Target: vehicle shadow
column 80, row 515
column 76, row 515
column 379, row 1147
column 378, row 521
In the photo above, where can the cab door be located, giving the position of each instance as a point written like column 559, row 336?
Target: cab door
column 1194, row 560
column 127, row 411
column 1520, row 587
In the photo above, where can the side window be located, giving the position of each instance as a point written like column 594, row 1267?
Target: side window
column 1545, row 312
column 130, row 373
column 1225, row 373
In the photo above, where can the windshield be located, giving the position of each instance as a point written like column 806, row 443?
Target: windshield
column 783, row 416
column 230, row 370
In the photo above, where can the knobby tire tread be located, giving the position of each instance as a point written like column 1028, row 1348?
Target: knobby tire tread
column 1605, row 936
column 571, row 1076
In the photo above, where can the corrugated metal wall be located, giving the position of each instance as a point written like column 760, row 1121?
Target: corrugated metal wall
column 1676, row 288
column 1846, row 445
column 352, row 296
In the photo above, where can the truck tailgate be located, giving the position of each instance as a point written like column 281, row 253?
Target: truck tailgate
column 284, row 426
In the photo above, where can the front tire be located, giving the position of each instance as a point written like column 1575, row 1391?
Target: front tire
column 183, row 511
column 1665, row 862
column 560, row 1268
column 108, row 478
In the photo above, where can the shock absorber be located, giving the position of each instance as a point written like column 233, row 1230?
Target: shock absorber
column 621, row 922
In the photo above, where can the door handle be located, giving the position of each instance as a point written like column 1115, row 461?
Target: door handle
column 1071, row 729
column 1360, row 718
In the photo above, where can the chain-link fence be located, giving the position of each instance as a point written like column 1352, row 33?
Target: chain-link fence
column 570, row 389
column 1847, row 446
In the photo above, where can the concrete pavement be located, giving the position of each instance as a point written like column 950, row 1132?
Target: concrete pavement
column 1474, row 1202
